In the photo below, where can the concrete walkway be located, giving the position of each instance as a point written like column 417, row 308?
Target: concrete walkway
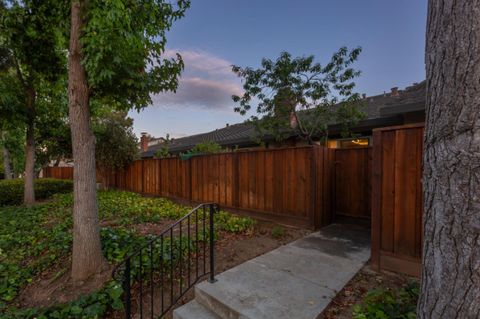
column 297, row 280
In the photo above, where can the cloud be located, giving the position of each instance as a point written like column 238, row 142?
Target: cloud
column 207, row 82
column 203, row 62
column 199, row 92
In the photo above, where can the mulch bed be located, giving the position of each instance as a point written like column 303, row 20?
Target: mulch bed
column 354, row 292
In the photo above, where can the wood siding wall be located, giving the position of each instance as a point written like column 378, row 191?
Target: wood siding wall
column 397, row 198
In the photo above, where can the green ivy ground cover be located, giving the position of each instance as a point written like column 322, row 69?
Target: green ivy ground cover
column 34, row 239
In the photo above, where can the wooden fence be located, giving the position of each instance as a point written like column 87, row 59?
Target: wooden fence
column 58, row 172
column 397, row 198
column 288, row 185
column 306, row 186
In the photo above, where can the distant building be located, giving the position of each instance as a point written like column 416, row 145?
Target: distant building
column 397, row 107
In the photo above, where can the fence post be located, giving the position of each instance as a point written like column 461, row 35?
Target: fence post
column 315, row 213
column 376, row 206
column 212, row 244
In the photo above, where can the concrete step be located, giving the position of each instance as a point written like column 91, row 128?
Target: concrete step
column 193, row 310
column 252, row 291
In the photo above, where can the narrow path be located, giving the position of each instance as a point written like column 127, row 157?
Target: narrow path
column 297, row 280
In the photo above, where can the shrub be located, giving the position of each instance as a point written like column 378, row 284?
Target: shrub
column 232, row 223
column 381, row 303
column 208, row 147
column 278, row 232
column 11, row 191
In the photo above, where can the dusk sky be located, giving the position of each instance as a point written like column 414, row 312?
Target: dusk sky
column 215, row 34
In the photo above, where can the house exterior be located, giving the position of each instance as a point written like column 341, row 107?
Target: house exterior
column 389, row 109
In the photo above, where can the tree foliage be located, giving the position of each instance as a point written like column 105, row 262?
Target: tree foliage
column 300, row 93
column 207, row 147
column 116, row 145
column 123, row 42
column 13, row 140
column 164, row 150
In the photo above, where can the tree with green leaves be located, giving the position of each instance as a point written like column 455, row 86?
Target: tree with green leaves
column 11, row 114
column 301, row 95
column 207, row 147
column 115, row 53
column 12, row 139
column 29, row 35
column 116, row 144
column 164, row 150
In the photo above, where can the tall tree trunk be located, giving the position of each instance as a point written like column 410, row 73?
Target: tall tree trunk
column 87, row 257
column 29, row 191
column 7, row 169
column 451, row 250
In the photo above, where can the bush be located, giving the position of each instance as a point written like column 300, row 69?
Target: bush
column 208, row 147
column 232, row 223
column 381, row 303
column 278, row 232
column 11, row 191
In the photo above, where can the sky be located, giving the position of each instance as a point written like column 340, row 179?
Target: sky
column 214, row 34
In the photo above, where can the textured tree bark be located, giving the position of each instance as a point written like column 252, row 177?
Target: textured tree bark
column 7, row 170
column 29, row 191
column 451, row 249
column 87, row 258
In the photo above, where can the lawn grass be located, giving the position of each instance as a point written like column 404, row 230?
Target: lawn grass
column 34, row 239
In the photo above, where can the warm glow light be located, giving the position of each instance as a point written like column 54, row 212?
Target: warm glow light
column 360, row 141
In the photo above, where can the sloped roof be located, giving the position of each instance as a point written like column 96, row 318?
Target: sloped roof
column 236, row 134
column 378, row 108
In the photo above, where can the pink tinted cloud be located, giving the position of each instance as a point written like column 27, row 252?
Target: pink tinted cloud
column 199, row 92
column 203, row 62
column 207, row 82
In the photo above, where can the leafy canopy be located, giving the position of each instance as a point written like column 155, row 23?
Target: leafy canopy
column 123, row 42
column 300, row 93
column 207, row 147
column 164, row 150
column 30, row 31
column 116, row 145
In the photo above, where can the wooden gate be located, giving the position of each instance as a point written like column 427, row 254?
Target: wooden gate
column 397, row 198
column 351, row 183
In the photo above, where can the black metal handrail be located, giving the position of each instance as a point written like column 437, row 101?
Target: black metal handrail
column 159, row 273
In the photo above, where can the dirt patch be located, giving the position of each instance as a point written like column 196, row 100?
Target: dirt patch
column 234, row 249
column 54, row 286
column 354, row 292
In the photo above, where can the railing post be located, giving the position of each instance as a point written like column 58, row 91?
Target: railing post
column 212, row 244
column 126, row 289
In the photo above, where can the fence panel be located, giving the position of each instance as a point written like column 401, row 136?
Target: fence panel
column 58, row 172
column 397, row 198
column 290, row 185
